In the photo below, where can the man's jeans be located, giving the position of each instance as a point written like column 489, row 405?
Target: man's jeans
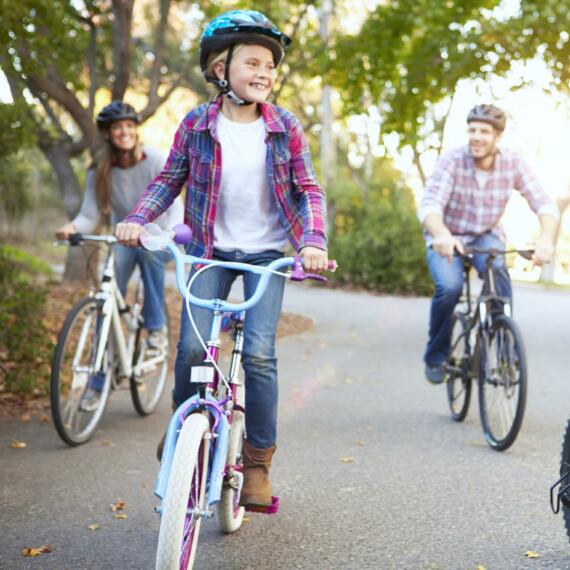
column 448, row 280
column 259, row 360
column 151, row 265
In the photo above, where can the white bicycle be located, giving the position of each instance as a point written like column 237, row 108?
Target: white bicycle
column 102, row 342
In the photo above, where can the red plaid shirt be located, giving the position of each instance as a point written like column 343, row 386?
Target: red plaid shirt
column 469, row 211
column 195, row 159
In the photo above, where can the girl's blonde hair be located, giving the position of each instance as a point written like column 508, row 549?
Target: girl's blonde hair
column 219, row 56
column 104, row 160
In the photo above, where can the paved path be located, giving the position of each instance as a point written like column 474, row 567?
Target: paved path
column 421, row 492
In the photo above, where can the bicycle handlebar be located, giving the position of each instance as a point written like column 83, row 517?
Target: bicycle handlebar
column 182, row 234
column 76, row 239
column 494, row 252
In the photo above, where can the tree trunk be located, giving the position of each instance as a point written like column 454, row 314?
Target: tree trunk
column 79, row 262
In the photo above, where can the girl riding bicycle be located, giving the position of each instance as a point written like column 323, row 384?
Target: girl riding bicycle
column 114, row 183
column 250, row 191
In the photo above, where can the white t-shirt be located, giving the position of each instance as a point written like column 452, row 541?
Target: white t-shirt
column 482, row 176
column 247, row 213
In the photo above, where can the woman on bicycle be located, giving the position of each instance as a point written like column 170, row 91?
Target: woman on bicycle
column 250, row 191
column 113, row 184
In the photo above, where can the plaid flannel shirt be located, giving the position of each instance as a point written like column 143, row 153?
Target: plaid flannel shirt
column 195, row 159
column 469, row 211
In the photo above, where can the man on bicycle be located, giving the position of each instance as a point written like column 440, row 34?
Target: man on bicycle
column 462, row 205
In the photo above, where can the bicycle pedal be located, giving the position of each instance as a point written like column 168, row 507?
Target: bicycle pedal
column 271, row 509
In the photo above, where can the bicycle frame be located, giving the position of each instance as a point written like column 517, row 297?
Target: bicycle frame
column 479, row 317
column 115, row 308
column 219, row 410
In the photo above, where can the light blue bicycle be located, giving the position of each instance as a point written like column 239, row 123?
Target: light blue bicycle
column 202, row 458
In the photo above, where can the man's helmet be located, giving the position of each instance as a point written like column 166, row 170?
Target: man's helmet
column 241, row 26
column 116, row 111
column 488, row 114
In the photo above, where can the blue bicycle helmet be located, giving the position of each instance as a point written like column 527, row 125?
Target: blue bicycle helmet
column 241, row 26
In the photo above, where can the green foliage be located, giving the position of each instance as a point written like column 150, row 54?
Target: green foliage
column 15, row 196
column 24, row 344
column 377, row 239
column 409, row 54
column 16, row 128
column 540, row 27
column 42, row 33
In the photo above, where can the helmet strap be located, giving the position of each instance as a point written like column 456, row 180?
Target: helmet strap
column 224, row 84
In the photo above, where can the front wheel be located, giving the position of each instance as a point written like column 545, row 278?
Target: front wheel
column 73, row 373
column 458, row 379
column 502, row 383
column 184, row 503
column 565, row 472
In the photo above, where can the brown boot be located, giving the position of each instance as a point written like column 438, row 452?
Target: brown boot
column 256, row 491
column 160, row 446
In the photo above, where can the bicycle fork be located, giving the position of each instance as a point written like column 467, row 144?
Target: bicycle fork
column 219, row 435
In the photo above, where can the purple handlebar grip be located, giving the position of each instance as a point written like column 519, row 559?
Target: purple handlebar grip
column 182, row 233
column 298, row 273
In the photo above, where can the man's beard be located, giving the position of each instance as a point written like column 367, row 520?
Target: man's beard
column 491, row 152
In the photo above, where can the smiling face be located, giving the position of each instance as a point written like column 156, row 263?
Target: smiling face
column 123, row 135
column 252, row 72
column 483, row 139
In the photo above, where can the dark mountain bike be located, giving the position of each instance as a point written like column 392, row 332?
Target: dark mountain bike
column 487, row 345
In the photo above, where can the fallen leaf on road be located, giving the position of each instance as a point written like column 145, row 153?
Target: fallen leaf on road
column 18, row 444
column 322, row 344
column 480, row 567
column 26, row 418
column 45, row 549
column 532, row 554
column 359, row 442
column 107, row 442
column 94, row 527
column 120, row 505
column 120, row 516
column 44, row 418
column 246, row 520
column 347, row 459
column 348, row 381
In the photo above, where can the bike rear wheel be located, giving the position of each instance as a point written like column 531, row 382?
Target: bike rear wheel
column 458, row 379
column 230, row 514
column 184, row 503
column 150, row 369
column 502, row 383
column 73, row 368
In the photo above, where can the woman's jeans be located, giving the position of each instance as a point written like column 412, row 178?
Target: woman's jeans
column 151, row 265
column 260, row 325
column 448, row 280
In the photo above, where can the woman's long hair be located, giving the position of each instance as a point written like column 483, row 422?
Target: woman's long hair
column 105, row 159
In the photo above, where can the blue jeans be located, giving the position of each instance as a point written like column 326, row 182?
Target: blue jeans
column 259, row 360
column 448, row 280
column 151, row 265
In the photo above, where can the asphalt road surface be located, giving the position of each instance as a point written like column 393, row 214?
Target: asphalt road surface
column 370, row 470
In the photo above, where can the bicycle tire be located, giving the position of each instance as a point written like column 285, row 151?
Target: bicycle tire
column 230, row 514
column 68, row 417
column 146, row 392
column 503, row 377
column 458, row 380
column 186, row 490
column 564, row 469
